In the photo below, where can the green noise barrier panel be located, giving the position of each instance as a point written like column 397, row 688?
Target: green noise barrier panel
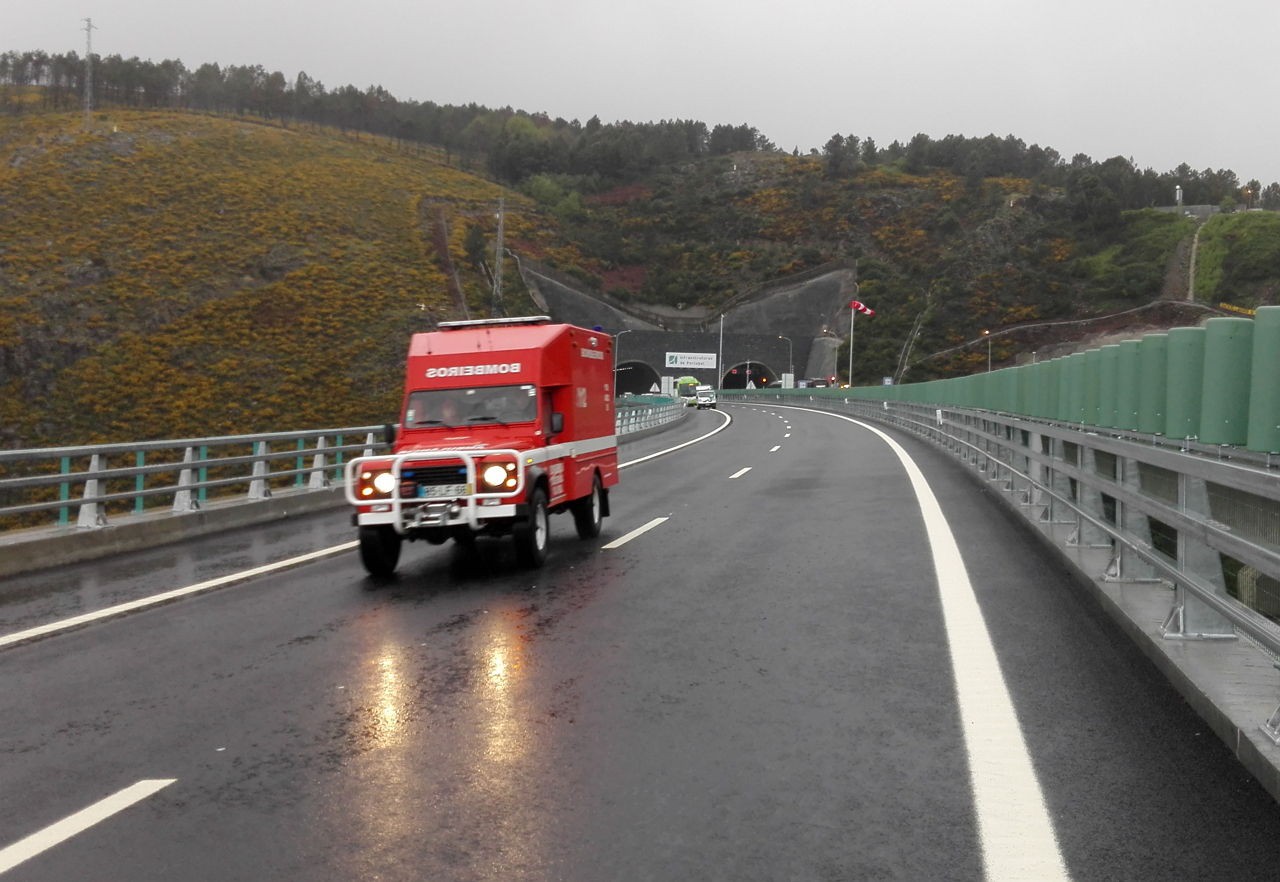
column 1264, row 386
column 1062, row 405
column 1075, row 387
column 1153, row 382
column 1228, row 354
column 1092, row 388
column 1127, row 366
column 1052, row 380
column 1109, row 386
column 1185, row 383
column 1215, row 384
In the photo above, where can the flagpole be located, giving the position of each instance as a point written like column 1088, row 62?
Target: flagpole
column 853, row 314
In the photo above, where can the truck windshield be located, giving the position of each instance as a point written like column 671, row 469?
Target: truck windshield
column 459, row 407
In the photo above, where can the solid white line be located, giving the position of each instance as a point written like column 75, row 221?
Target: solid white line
column 739, row 473
column 43, row 840
column 143, row 603
column 1018, row 839
column 727, row 419
column 638, row 531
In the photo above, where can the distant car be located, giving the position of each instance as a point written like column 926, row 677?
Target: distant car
column 705, row 396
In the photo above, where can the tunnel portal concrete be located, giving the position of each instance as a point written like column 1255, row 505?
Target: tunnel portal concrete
column 795, row 325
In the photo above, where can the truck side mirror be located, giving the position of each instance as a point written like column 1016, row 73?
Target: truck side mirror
column 389, row 433
column 557, row 422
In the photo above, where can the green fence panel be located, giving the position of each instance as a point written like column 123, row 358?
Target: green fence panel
column 1018, row 390
column 968, row 396
column 1063, row 397
column 1264, row 382
column 1109, row 386
column 1153, row 382
column 1075, row 388
column 1185, row 383
column 1031, row 388
column 1049, row 384
column 978, row 386
column 1006, row 391
column 1092, row 387
column 1127, row 366
column 1228, row 355
column 1000, row 389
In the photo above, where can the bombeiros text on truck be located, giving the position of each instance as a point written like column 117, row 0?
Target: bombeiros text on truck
column 504, row 422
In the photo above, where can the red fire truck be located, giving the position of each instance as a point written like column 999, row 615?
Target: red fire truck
column 504, row 422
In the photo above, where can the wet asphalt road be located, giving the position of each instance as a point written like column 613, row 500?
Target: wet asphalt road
column 757, row 688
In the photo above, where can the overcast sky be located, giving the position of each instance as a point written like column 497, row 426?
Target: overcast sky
column 1159, row 81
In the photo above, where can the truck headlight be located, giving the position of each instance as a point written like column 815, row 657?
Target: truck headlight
column 499, row 476
column 376, row 483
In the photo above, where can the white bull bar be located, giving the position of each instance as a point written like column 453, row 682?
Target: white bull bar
column 468, row 503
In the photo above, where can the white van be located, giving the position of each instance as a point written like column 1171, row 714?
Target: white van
column 705, row 396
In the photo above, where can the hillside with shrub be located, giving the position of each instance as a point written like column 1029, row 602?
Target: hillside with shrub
column 173, row 273
column 178, row 274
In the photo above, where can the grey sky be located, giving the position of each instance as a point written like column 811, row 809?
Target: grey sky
column 1158, row 81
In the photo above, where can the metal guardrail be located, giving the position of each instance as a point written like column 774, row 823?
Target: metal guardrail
column 1192, row 517
column 647, row 414
column 95, row 482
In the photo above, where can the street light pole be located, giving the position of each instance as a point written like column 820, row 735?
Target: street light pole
column 987, row 334
column 616, row 338
column 720, row 357
column 791, row 358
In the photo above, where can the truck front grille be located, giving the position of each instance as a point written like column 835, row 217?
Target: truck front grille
column 414, row 477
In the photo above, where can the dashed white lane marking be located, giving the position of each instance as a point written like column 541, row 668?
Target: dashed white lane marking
column 1018, row 839
column 775, row 448
column 739, row 473
column 638, row 531
column 143, row 603
column 43, row 840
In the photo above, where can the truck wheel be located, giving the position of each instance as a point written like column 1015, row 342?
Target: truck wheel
column 588, row 513
column 379, row 550
column 531, row 537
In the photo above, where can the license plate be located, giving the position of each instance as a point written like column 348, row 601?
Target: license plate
column 431, row 491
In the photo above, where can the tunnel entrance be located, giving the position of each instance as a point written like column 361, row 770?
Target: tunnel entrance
column 758, row 373
column 636, row 378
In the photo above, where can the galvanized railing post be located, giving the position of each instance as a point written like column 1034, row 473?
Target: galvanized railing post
column 202, row 493
column 1192, row 618
column 299, row 460
column 64, row 492
column 139, row 481
column 1127, row 566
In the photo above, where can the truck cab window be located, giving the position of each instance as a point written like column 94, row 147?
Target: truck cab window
column 502, row 405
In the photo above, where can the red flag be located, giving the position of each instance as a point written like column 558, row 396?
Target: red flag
column 861, row 307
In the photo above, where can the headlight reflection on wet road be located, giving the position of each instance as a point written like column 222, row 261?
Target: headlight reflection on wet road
column 505, row 736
